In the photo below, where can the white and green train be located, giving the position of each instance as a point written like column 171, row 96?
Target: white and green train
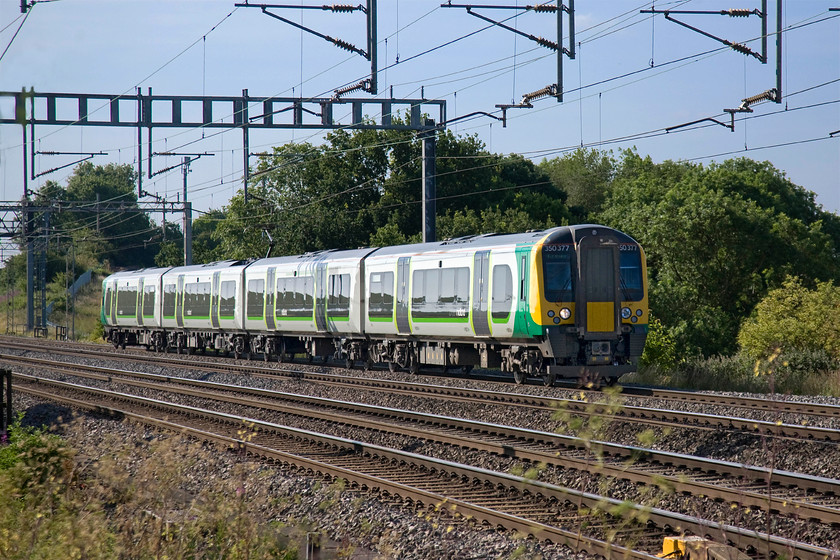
column 567, row 302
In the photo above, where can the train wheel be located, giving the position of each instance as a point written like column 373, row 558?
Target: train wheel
column 348, row 363
column 466, row 369
column 549, row 379
column 367, row 364
column 392, row 367
column 518, row 375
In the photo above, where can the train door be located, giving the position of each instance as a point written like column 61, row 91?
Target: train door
column 598, row 287
column 113, row 309
column 270, row 291
column 139, row 306
column 321, row 296
column 523, row 311
column 214, row 300
column 403, row 326
column 179, row 302
column 481, row 293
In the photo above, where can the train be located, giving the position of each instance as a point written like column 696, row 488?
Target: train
column 568, row 302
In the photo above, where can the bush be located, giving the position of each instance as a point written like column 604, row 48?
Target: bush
column 794, row 318
column 660, row 347
column 804, row 372
column 135, row 502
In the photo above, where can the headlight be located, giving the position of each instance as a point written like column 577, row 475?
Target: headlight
column 625, row 312
column 565, row 313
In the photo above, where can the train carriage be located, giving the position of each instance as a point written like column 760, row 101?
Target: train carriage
column 131, row 305
column 305, row 304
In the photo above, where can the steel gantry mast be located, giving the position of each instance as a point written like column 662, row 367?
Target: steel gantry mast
column 560, row 10
column 773, row 94
column 33, row 109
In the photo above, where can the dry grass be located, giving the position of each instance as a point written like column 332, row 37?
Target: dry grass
column 146, row 499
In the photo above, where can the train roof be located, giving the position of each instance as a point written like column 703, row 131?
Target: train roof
column 315, row 256
column 214, row 265
column 563, row 234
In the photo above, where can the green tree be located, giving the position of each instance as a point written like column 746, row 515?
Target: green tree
column 128, row 237
column 365, row 187
column 585, row 176
column 206, row 244
column 170, row 254
column 713, row 250
column 794, row 318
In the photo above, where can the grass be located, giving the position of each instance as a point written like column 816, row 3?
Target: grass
column 87, row 323
column 137, row 500
column 796, row 372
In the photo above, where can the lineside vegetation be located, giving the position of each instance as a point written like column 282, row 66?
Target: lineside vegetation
column 720, row 238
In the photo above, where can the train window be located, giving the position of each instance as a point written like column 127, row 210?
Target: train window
column 502, row 292
column 523, row 293
column 227, row 298
column 107, row 305
column 149, row 301
column 197, row 300
column 418, row 287
column 256, row 299
column 630, row 262
column 557, row 272
column 381, row 297
column 599, row 274
column 294, row 297
column 338, row 298
column 169, row 300
column 127, row 301
column 440, row 293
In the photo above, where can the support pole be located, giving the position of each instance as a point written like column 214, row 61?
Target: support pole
column 371, row 46
column 560, row 51
column 30, row 273
column 27, row 233
column 429, row 171
column 187, row 218
column 246, row 145
column 6, row 394
column 139, row 150
column 778, row 51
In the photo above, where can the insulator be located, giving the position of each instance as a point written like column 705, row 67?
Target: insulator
column 344, row 45
column 739, row 12
column 347, row 89
column 540, row 93
column 769, row 95
column 342, row 8
column 743, row 49
column 543, row 8
column 546, row 43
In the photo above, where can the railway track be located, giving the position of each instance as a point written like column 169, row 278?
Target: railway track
column 803, row 429
column 796, row 495
column 530, row 506
column 775, row 406
column 772, row 405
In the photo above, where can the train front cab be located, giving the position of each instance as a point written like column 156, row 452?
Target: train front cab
column 593, row 303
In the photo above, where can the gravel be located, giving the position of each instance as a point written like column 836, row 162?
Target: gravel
column 382, row 528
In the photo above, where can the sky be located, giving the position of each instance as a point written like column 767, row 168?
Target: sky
column 634, row 75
